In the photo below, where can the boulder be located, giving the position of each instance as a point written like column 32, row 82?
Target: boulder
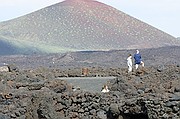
column 4, row 69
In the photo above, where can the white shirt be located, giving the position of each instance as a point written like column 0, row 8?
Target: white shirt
column 129, row 60
column 105, row 90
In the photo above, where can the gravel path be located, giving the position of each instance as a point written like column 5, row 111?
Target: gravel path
column 91, row 84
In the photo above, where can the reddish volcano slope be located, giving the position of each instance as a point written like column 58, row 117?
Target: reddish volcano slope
column 75, row 25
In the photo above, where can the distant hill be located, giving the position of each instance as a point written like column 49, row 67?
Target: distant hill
column 76, row 25
column 6, row 48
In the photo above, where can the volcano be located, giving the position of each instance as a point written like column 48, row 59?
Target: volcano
column 79, row 25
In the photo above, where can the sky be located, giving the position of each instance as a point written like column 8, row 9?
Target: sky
column 162, row 14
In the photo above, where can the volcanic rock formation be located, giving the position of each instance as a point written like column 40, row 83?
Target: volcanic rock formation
column 151, row 93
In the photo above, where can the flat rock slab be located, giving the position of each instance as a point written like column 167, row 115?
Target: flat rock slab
column 91, row 84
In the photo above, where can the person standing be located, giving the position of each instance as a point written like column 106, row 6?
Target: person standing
column 129, row 63
column 138, row 60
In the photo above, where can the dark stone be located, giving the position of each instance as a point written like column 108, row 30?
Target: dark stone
column 170, row 104
column 160, row 68
column 102, row 114
column 3, row 116
column 177, row 89
column 13, row 68
column 113, row 111
column 175, row 98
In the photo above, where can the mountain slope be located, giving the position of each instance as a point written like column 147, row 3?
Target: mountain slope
column 75, row 25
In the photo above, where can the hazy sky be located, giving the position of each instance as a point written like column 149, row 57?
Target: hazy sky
column 162, row 14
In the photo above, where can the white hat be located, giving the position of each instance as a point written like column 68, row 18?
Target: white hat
column 137, row 51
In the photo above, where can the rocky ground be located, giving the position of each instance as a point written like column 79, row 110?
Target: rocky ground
column 152, row 92
column 149, row 93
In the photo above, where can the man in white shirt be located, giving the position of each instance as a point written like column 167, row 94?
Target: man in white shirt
column 129, row 63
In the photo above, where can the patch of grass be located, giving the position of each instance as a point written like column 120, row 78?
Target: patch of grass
column 25, row 46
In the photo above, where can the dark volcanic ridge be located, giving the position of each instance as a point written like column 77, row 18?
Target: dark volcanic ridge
column 80, row 25
column 113, row 58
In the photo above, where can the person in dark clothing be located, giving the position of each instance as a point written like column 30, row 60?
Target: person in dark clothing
column 138, row 60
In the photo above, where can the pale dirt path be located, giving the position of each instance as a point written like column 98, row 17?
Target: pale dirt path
column 91, row 84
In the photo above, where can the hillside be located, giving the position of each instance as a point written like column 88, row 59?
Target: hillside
column 76, row 25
